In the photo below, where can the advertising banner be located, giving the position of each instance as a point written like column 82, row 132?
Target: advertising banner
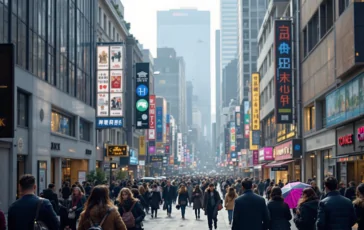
column 116, row 81
column 151, row 147
column 255, row 157
column 116, row 57
column 283, row 72
column 103, row 104
column 179, row 144
column 117, row 151
column 103, row 81
column 255, row 97
column 159, row 129
column 133, row 157
column 232, row 136
column 251, row 145
column 155, row 159
column 152, row 112
column 109, row 122
column 227, row 140
column 116, row 106
column 266, row 154
column 142, row 146
column 246, row 119
column 142, row 96
column 103, row 57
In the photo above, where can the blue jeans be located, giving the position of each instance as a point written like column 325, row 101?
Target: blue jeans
column 183, row 210
column 169, row 206
column 230, row 214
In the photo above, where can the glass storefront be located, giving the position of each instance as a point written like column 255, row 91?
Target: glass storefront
column 329, row 163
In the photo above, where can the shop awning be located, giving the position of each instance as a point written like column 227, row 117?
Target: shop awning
column 278, row 163
column 259, row 166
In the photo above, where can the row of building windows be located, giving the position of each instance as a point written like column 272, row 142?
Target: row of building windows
column 267, row 93
column 107, row 26
column 267, row 62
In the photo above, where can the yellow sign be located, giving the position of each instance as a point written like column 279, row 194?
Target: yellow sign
column 255, row 89
column 141, row 146
column 251, row 146
column 117, row 151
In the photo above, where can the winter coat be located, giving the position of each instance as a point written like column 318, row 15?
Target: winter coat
column 207, row 203
column 169, row 195
column 335, row 212
column 359, row 210
column 53, row 198
column 317, row 191
column 137, row 211
column 112, row 222
column 350, row 193
column 146, row 197
column 197, row 199
column 155, row 199
column 183, row 199
column 280, row 215
column 190, row 191
column 229, row 202
column 306, row 218
column 2, row 221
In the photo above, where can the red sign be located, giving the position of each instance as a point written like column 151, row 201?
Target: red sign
column 152, row 111
column 346, row 140
column 360, row 134
column 255, row 157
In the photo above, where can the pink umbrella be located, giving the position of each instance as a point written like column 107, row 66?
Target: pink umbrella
column 292, row 192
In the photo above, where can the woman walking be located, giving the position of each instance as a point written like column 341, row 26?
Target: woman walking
column 130, row 210
column 77, row 203
column 359, row 206
column 99, row 211
column 306, row 212
column 155, row 200
column 280, row 215
column 197, row 200
column 229, row 202
column 144, row 192
column 211, row 204
column 183, row 199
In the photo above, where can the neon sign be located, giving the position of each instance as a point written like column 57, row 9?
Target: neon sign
column 346, row 140
column 360, row 135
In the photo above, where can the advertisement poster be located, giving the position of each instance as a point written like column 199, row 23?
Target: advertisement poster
column 116, row 57
column 102, row 104
column 103, row 57
column 255, row 90
column 116, row 105
column 159, row 111
column 102, row 81
column 232, row 136
column 246, row 119
column 81, row 176
column 42, row 180
column 116, row 80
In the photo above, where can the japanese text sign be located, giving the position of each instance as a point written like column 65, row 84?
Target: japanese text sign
column 283, row 74
column 255, row 90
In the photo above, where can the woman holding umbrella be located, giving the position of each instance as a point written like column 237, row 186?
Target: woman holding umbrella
column 306, row 213
column 280, row 215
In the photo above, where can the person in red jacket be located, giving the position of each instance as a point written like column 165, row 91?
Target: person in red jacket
column 2, row 221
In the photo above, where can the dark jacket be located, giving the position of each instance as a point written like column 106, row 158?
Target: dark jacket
column 137, row 211
column 22, row 213
column 335, row 212
column 170, row 194
column 155, row 199
column 66, row 192
column 306, row 218
column 197, row 199
column 342, row 191
column 2, row 221
column 280, row 215
column 350, row 193
column 359, row 210
column 52, row 197
column 183, row 198
column 250, row 212
column 207, row 203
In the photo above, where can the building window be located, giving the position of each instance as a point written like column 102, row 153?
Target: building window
column 85, row 130
column 343, row 4
column 310, row 118
column 100, row 15
column 105, row 28
column 23, row 110
column 326, row 17
column 62, row 124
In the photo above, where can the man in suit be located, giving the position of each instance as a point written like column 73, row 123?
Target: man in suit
column 250, row 210
column 23, row 211
column 169, row 193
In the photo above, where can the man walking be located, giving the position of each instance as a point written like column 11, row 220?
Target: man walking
column 250, row 210
column 335, row 211
column 22, row 212
column 168, row 195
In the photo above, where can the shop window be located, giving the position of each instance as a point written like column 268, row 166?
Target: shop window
column 85, row 130
column 22, row 109
column 62, row 124
column 310, row 118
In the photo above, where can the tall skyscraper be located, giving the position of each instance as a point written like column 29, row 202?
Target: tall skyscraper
column 229, row 31
column 250, row 17
column 188, row 32
column 218, row 86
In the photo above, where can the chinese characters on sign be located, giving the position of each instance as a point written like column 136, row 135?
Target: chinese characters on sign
column 159, row 128
column 283, row 75
column 109, row 122
column 117, row 151
column 152, row 112
column 255, row 102
column 232, row 136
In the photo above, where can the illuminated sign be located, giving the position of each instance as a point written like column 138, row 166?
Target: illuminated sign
column 117, row 151
column 155, row 159
column 283, row 135
column 360, row 135
column 142, row 96
column 152, row 120
column 283, row 72
column 346, row 140
column 232, row 136
column 246, row 119
column 255, row 97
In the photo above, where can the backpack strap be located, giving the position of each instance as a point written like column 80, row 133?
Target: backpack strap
column 130, row 208
column 106, row 215
column 39, row 205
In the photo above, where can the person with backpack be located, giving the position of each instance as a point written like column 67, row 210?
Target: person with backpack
column 100, row 213
column 130, row 210
column 31, row 211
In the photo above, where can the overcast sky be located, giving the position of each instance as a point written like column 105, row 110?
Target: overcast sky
column 142, row 14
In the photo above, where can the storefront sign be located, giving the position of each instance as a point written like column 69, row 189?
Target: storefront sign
column 142, row 96
column 179, row 144
column 246, row 119
column 346, row 140
column 283, row 72
column 151, row 147
column 280, row 168
column 255, row 97
column 227, row 140
column 117, row 151
column 159, row 123
column 55, row 146
column 133, row 157
column 288, row 150
column 266, row 154
column 360, row 134
column 152, row 117
column 232, row 136
column 155, row 159
column 255, row 157
column 286, row 134
column 109, row 122
column 252, row 146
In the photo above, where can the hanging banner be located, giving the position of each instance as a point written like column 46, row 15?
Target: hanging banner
column 141, row 146
column 159, row 128
column 246, row 119
column 232, row 136
column 142, row 96
column 283, row 72
column 227, row 140
column 116, row 78
column 255, row 97
column 116, row 57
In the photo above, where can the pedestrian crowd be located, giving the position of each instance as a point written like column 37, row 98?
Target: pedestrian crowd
column 250, row 204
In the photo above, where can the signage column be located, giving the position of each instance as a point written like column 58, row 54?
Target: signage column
column 142, row 96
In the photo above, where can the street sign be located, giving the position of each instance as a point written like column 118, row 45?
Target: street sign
column 117, row 151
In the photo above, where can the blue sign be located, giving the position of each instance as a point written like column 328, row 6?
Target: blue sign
column 142, row 90
column 109, row 122
column 159, row 124
column 133, row 158
column 233, row 154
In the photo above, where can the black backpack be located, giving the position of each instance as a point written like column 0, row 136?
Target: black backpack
column 39, row 225
column 95, row 226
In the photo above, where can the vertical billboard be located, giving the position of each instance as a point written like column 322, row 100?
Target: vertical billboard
column 109, row 85
column 179, row 145
column 152, row 115
column 159, row 123
column 227, row 140
column 232, row 136
column 246, row 119
column 142, row 146
column 283, row 72
column 7, row 89
column 142, row 96
column 255, row 98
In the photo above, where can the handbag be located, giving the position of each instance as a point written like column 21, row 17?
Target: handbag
column 71, row 215
column 183, row 202
column 219, row 207
column 164, row 206
column 178, row 206
column 39, row 225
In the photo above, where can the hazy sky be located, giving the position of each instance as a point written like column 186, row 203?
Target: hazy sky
column 142, row 14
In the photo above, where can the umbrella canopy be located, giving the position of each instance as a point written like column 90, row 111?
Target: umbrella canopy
column 292, row 192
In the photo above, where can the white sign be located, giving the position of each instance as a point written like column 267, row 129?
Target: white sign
column 20, row 145
column 179, row 145
column 102, row 81
column 81, row 176
column 116, row 81
column 116, row 105
column 102, row 57
column 116, row 57
column 141, row 163
column 151, row 134
column 102, row 104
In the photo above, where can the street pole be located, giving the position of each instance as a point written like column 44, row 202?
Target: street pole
column 110, row 170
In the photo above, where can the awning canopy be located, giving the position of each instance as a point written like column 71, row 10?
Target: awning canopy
column 259, row 166
column 278, row 163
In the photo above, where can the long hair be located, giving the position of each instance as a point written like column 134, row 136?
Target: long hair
column 231, row 193
column 359, row 201
column 99, row 197
column 307, row 195
column 197, row 189
column 128, row 192
column 142, row 190
column 182, row 189
column 276, row 193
